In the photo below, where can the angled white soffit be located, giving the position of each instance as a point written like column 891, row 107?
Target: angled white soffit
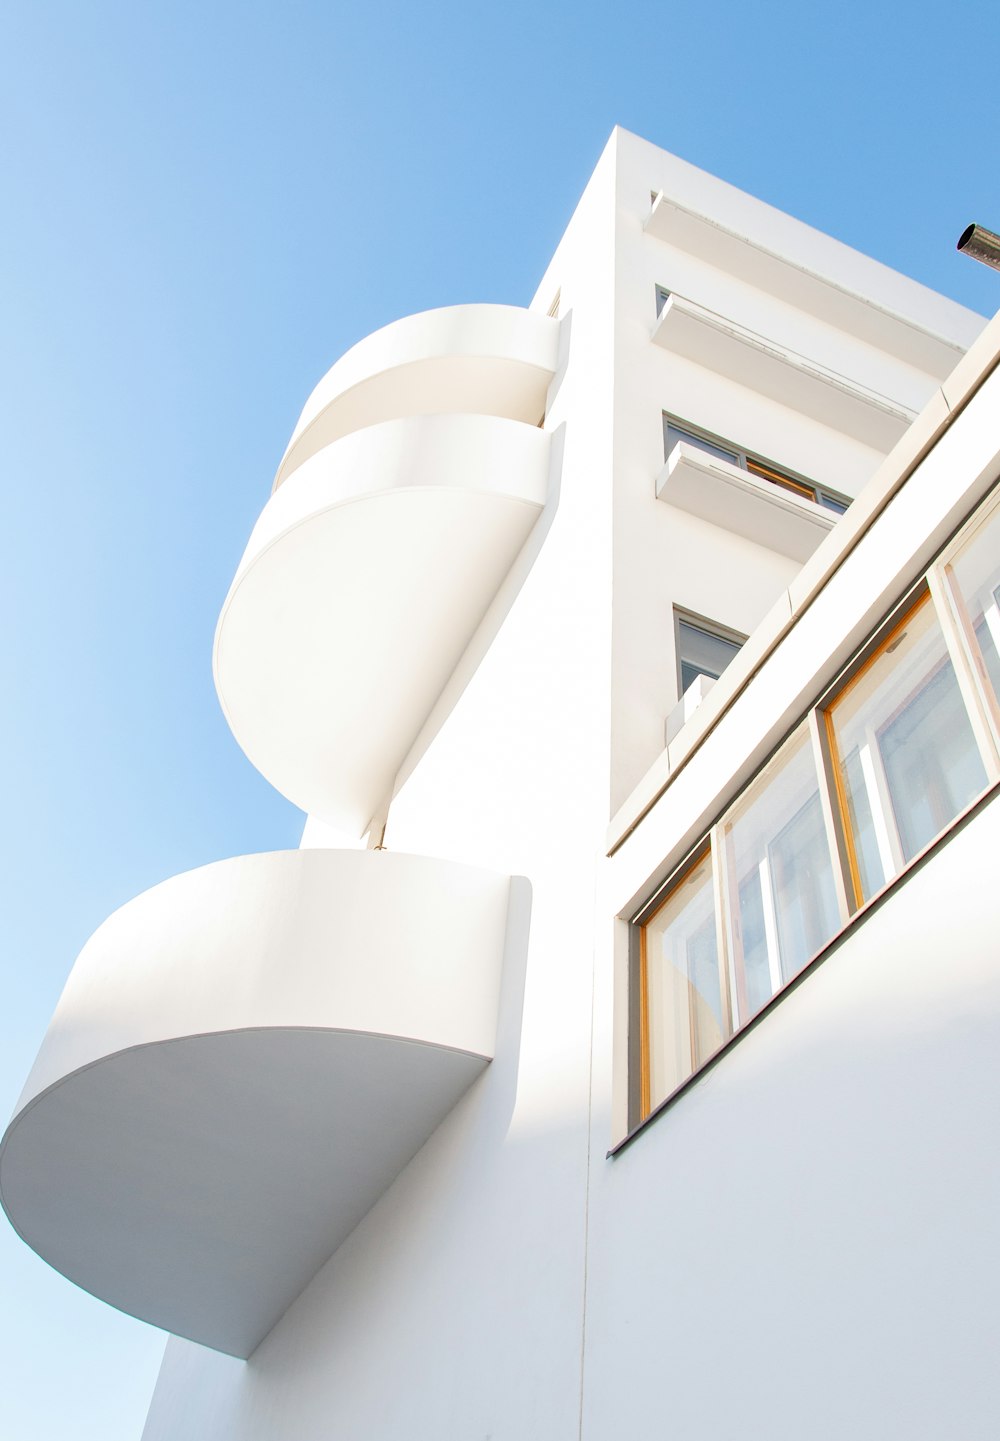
column 364, row 580
column 242, row 1061
column 826, row 296
column 720, row 492
column 482, row 359
column 771, row 369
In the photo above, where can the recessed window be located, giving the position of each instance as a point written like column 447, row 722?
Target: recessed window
column 675, row 432
column 779, row 864
column 662, row 296
column 685, row 1009
column 975, row 574
column 904, row 748
column 703, row 648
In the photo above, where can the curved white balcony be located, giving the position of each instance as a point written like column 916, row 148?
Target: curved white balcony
column 363, row 582
column 478, row 359
column 242, row 1061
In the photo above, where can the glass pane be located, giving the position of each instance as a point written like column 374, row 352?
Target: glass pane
column 977, row 575
column 701, row 652
column 784, row 899
column 685, row 1013
column 674, row 434
column 905, row 749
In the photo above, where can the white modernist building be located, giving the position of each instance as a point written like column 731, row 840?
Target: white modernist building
column 618, row 1055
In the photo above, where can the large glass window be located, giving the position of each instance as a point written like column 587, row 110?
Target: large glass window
column 684, row 1004
column 975, row 572
column 782, row 897
column 905, row 752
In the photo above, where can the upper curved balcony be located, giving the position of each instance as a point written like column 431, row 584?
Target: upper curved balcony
column 363, row 582
column 242, row 1061
column 476, row 359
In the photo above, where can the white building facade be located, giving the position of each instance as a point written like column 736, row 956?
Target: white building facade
column 618, row 1054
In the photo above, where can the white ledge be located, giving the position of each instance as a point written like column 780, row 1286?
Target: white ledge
column 830, row 299
column 480, row 359
column 698, row 334
column 242, row 1061
column 363, row 582
column 723, row 493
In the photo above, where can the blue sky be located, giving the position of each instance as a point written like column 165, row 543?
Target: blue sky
column 204, row 205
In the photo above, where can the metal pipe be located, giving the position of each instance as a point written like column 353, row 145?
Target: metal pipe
column 981, row 244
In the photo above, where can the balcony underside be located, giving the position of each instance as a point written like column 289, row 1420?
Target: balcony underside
column 242, row 1062
column 479, row 359
column 364, row 581
column 770, row 369
column 717, row 491
column 829, row 299
column 201, row 1183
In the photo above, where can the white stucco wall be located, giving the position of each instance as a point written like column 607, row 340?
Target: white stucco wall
column 802, row 1245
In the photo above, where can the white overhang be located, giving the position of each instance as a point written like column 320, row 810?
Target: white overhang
column 242, row 1061
column 479, row 359
column 363, row 582
column 823, row 295
column 723, row 493
column 771, row 369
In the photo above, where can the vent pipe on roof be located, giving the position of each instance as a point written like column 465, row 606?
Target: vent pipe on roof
column 981, row 244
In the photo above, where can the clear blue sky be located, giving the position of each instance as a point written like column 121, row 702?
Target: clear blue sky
column 203, row 206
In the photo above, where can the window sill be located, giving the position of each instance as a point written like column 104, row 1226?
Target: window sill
column 727, row 496
column 729, row 349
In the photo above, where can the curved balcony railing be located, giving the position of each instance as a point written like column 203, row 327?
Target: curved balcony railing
column 480, row 359
column 363, row 582
column 242, row 1061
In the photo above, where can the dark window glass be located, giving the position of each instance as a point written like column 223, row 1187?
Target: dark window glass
column 702, row 652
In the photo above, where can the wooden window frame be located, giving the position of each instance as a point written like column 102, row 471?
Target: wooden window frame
column 936, row 588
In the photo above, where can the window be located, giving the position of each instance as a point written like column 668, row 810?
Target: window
column 906, row 741
column 975, row 575
column 674, row 432
column 703, row 648
column 662, row 296
column 684, row 1006
column 904, row 750
column 779, row 867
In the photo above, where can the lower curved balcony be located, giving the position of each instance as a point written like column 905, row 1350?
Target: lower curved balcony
column 481, row 359
column 242, row 1061
column 363, row 582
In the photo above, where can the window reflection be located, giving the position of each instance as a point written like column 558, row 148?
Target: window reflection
column 784, row 900
column 905, row 748
column 685, row 1010
column 976, row 575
